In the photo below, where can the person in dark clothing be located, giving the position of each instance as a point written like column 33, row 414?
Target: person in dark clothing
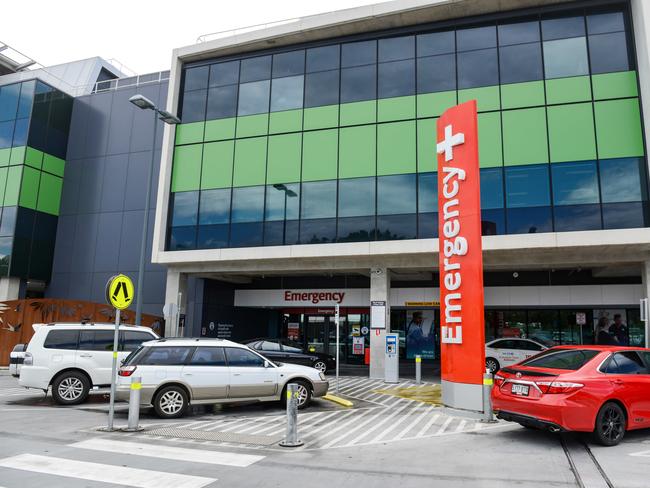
column 619, row 330
column 604, row 337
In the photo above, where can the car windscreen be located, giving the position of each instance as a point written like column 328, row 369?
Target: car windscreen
column 569, row 359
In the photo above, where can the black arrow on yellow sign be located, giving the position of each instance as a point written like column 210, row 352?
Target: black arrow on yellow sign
column 121, row 287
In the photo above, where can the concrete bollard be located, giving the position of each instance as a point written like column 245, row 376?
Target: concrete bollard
column 291, row 437
column 134, row 405
column 488, row 382
column 418, row 369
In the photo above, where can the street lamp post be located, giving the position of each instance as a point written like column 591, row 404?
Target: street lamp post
column 144, row 103
column 287, row 193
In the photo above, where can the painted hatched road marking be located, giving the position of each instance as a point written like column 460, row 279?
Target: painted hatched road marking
column 167, row 452
column 106, row 473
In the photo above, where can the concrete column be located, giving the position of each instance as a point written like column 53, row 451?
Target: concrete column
column 176, row 284
column 645, row 277
column 379, row 290
column 9, row 288
column 641, row 21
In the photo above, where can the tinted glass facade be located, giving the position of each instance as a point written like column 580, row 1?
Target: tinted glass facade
column 34, row 125
column 338, row 140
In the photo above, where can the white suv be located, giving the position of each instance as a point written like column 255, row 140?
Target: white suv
column 177, row 372
column 73, row 358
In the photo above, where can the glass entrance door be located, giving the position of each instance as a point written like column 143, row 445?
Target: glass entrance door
column 316, row 332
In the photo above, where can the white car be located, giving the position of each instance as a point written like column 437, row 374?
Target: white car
column 16, row 358
column 175, row 373
column 73, row 358
column 505, row 352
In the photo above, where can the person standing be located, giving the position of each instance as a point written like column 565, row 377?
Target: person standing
column 619, row 330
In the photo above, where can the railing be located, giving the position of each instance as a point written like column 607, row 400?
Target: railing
column 244, row 30
column 108, row 85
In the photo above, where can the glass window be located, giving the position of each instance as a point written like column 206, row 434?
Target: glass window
column 323, row 58
column 577, row 217
column 542, row 326
column 437, row 73
column 608, row 22
column 396, row 194
column 518, row 33
column 130, row 340
column 248, row 204
column 565, row 57
column 6, row 133
column 572, row 359
column 322, row 88
column 269, row 346
column 317, row 231
column 286, row 93
column 254, row 98
column 9, row 96
column 282, row 200
column 289, row 64
column 165, row 356
column 436, row 43
column 255, row 69
column 8, row 222
column 529, row 220
column 396, row 227
column 358, row 53
column 491, row 188
column 243, row 358
column 357, row 197
column 626, row 215
column 185, row 208
column 622, row 180
column 213, row 236
column 20, row 132
column 396, row 79
column 61, row 339
column 181, row 238
column 527, row 186
column 575, row 183
column 194, row 106
column 478, row 68
column 196, row 78
column 26, row 99
column 396, row 48
column 356, row 229
column 476, row 38
column 627, row 362
column 318, row 200
column 222, row 102
column 608, row 53
column 208, row 356
column 519, row 63
column 96, row 340
column 493, row 222
column 215, row 207
column 358, row 83
column 562, row 28
column 224, row 73
column 427, row 192
column 246, row 234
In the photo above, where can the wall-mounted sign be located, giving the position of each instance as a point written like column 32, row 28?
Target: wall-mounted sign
column 358, row 345
column 378, row 315
column 421, row 304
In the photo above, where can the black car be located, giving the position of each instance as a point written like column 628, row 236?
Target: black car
column 291, row 352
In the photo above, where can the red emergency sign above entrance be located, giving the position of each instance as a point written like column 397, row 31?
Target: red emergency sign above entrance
column 460, row 251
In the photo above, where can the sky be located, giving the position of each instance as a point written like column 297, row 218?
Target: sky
column 139, row 33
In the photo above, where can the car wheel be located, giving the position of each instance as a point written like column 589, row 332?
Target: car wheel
column 492, row 365
column 610, row 424
column 171, row 402
column 70, row 388
column 320, row 366
column 303, row 394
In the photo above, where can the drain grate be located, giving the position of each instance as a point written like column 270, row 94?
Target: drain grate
column 259, row 440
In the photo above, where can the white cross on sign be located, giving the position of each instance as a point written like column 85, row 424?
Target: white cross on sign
column 447, row 146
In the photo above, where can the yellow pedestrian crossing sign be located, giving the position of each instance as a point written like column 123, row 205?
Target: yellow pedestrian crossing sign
column 120, row 291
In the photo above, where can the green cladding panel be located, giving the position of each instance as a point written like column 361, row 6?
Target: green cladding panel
column 524, row 136
column 33, row 157
column 29, row 188
column 3, row 183
column 321, row 117
column 397, row 108
column 186, row 175
column 571, row 132
column 220, row 129
column 396, row 148
column 566, row 90
column 357, row 148
column 252, row 125
column 250, row 162
column 490, row 149
column 521, row 95
column 287, row 121
column 216, row 171
column 284, row 159
column 358, row 113
column 189, row 133
column 434, row 104
column 427, row 155
column 5, row 156
column 53, row 165
column 320, row 155
column 49, row 195
column 618, row 128
column 487, row 97
column 12, row 190
column 17, row 155
column 615, row 85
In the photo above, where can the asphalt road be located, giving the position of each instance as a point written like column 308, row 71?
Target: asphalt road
column 370, row 446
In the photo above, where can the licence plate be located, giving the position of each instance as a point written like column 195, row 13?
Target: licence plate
column 520, row 389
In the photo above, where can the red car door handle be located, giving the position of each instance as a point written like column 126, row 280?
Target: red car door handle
column 617, row 382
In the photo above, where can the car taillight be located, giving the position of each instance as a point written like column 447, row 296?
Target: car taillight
column 126, row 370
column 552, row 387
column 29, row 359
column 498, row 379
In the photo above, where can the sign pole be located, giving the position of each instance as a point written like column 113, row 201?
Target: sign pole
column 111, row 407
column 337, row 347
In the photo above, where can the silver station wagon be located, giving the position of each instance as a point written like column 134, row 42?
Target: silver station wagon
column 178, row 372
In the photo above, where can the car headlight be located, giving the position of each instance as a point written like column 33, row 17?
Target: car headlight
column 322, row 376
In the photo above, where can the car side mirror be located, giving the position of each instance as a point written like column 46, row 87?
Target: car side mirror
column 267, row 364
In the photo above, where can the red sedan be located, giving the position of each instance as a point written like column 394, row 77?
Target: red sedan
column 599, row 389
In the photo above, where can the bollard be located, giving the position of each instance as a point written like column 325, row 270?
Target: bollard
column 418, row 369
column 488, row 381
column 134, row 405
column 291, row 437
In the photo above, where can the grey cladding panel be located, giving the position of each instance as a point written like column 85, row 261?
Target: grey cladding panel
column 71, row 185
column 78, row 128
column 119, row 132
column 107, row 250
column 84, row 242
column 113, row 183
column 90, row 187
column 98, row 123
column 136, row 180
column 130, row 245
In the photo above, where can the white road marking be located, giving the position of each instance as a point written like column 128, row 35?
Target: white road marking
column 427, row 411
column 105, row 473
column 426, row 427
column 392, row 426
column 354, row 429
column 166, row 452
column 444, row 426
column 380, row 423
column 641, row 454
column 461, row 425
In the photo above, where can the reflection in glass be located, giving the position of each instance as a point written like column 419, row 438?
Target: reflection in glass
column 224, row 73
column 185, row 208
column 427, row 225
column 493, row 222
column 318, row 200
column 182, row 238
column 563, row 27
column 356, row 197
column 436, row 43
column 255, row 69
column 222, row 102
column 626, row 215
column 322, row 58
column 317, row 231
column 396, row 79
column 286, row 93
column 518, row 33
column 322, row 88
column 359, row 83
column 603, row 23
column 437, row 73
column 427, row 192
column 396, row 195
column 396, row 48
column 358, row 53
column 248, row 234
column 478, row 68
column 622, row 180
column 282, row 201
column 248, row 204
column 20, row 133
column 521, row 63
column 26, row 99
column 491, row 188
column 196, row 78
column 5, row 255
column 277, row 233
column 395, row 227
column 289, row 64
column 9, row 96
column 213, row 236
column 577, row 217
column 575, row 183
column 356, row 229
column 608, row 53
column 566, row 57
column 6, row 133
column 215, row 207
column 529, row 220
column 254, row 98
column 8, row 222
column 194, row 106
column 527, row 186
column 476, row 38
